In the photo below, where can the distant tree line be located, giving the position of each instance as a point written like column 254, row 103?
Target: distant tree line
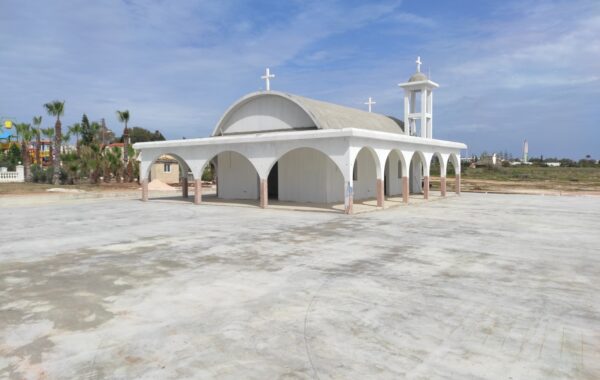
column 96, row 156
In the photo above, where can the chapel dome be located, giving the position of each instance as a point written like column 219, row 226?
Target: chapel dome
column 418, row 77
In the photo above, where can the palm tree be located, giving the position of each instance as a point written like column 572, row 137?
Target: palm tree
column 114, row 163
column 37, row 121
column 92, row 162
column 124, row 118
column 56, row 108
column 96, row 130
column 72, row 165
column 76, row 129
column 24, row 130
column 65, row 141
column 49, row 133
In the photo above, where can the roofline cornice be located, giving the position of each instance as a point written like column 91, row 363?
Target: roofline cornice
column 299, row 135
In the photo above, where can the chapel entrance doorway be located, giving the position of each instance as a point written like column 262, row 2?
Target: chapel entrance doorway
column 273, row 182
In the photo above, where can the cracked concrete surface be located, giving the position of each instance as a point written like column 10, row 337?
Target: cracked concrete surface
column 481, row 286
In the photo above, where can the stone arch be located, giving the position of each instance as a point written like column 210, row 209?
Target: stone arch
column 215, row 153
column 183, row 165
column 442, row 162
column 182, row 178
column 437, row 172
column 395, row 169
column 280, row 155
column 305, row 174
column 453, row 159
column 419, row 173
column 366, row 170
column 236, row 175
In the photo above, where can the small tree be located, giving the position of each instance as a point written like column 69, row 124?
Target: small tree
column 87, row 134
column 123, row 117
column 76, row 130
column 26, row 134
column 56, row 108
column 114, row 162
column 37, row 122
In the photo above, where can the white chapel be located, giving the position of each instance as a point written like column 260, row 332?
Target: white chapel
column 276, row 145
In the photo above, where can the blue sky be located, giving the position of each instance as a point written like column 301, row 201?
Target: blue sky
column 508, row 70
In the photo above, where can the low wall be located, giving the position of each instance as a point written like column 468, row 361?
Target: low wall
column 16, row 176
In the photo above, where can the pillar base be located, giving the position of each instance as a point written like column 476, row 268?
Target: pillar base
column 145, row 190
column 426, row 187
column 184, row 187
column 405, row 189
column 380, row 193
column 264, row 193
column 198, row 192
column 457, row 184
column 349, row 201
column 349, row 209
column 443, row 186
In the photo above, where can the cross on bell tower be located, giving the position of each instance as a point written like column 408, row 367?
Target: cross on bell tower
column 418, row 104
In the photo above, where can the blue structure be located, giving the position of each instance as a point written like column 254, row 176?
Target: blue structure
column 8, row 135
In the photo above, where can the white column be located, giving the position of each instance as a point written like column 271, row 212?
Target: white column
column 20, row 169
column 430, row 111
column 424, row 113
column 406, row 112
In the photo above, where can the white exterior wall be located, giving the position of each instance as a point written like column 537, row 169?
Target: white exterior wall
column 394, row 183
column 237, row 178
column 306, row 175
column 365, row 186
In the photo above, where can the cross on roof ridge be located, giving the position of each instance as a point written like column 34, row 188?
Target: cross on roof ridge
column 370, row 102
column 267, row 77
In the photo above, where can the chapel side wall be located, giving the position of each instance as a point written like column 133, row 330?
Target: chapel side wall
column 237, row 178
column 303, row 176
column 364, row 187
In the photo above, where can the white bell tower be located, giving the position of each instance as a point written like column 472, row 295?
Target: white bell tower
column 418, row 104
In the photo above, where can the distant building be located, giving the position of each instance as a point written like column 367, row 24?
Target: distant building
column 553, row 164
column 165, row 169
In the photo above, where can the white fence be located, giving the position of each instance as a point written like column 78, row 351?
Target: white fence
column 16, row 176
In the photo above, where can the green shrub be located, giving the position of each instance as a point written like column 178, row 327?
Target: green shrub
column 38, row 174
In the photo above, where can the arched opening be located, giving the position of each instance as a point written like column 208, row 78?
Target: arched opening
column 416, row 173
column 305, row 175
column 167, row 174
column 393, row 176
column 235, row 176
column 453, row 171
column 437, row 174
column 364, row 175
